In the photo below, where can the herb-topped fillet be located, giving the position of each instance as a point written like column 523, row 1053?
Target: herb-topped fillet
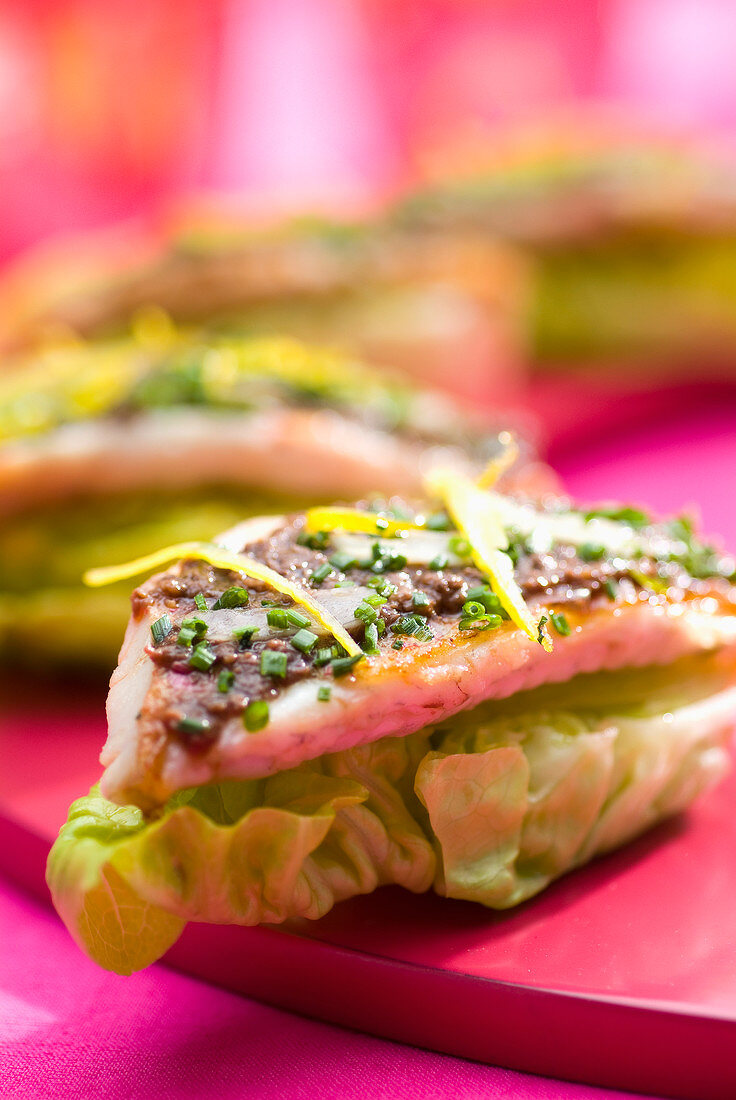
column 629, row 236
column 475, row 694
column 110, row 450
column 343, row 626
column 420, row 304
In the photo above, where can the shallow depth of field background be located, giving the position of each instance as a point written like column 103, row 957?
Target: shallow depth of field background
column 108, row 108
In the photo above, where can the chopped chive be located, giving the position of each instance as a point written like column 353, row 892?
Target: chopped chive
column 342, row 560
column 560, row 623
column 439, row 561
column 231, row 597
column 255, row 715
column 194, row 727
column 321, row 573
column 611, row 588
column 244, row 636
column 650, row 581
column 483, row 622
column 385, row 561
column 324, row 655
column 324, row 693
column 370, row 642
column 225, row 680
column 438, row 521
column 398, row 644
column 200, row 602
column 540, row 629
column 315, row 541
column 420, row 599
column 413, row 625
column 295, row 618
column 634, row 517
column 161, row 629
column 185, row 636
column 375, row 601
column 345, row 584
column 342, row 665
column 304, row 640
column 365, row 613
column 382, row 586
column 459, row 546
column 199, row 626
column 591, row 551
column 276, row 618
column 190, row 630
column 273, row 663
column 473, row 609
column 203, row 657
column 482, row 594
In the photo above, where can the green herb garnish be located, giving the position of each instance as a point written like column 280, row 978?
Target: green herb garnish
column 370, row 641
column 342, row 665
column 321, row 573
column 634, row 517
column 324, row 693
column 383, row 587
column 342, row 560
column 317, row 540
column 414, row 626
column 459, row 546
column 231, row 597
column 193, row 727
column 190, row 630
column 273, row 663
column 560, row 623
column 244, row 636
column 225, row 680
column 203, row 657
column 591, row 551
column 304, row 640
column 439, row 561
column 161, row 629
column 255, row 715
column 438, row 521
column 295, row 618
column 200, row 602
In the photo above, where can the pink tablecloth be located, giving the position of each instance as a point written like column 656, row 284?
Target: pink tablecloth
column 68, row 1029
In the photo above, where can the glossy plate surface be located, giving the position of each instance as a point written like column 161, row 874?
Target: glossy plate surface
column 622, row 974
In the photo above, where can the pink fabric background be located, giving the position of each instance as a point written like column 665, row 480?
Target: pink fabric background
column 69, row 1029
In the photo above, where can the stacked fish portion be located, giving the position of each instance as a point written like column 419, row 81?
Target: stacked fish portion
column 111, row 449
column 476, row 694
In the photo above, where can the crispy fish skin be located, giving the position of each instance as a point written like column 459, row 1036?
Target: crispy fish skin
column 393, row 694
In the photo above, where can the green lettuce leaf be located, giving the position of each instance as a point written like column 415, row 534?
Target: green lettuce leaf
column 240, row 853
column 490, row 807
column 516, row 801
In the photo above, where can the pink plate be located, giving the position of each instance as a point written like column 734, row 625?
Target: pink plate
column 623, row 974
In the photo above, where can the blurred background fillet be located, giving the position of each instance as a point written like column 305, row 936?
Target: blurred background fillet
column 612, row 252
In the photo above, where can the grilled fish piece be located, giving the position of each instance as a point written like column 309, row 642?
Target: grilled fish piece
column 320, row 704
column 418, row 303
column 170, row 727
column 109, row 450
